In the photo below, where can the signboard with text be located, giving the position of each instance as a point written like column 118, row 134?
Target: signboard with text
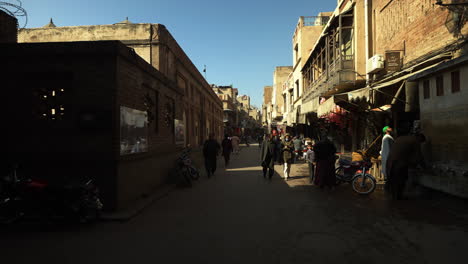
column 392, row 61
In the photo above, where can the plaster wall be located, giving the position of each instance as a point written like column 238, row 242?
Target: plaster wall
column 443, row 121
column 280, row 76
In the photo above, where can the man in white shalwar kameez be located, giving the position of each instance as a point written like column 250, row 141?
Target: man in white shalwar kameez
column 387, row 142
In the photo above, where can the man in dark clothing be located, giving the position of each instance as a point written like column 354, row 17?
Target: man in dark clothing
column 210, row 152
column 325, row 152
column 226, row 144
column 405, row 153
column 268, row 155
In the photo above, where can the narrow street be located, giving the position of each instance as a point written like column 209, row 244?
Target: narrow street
column 239, row 217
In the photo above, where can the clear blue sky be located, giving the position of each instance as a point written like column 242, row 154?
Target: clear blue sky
column 239, row 41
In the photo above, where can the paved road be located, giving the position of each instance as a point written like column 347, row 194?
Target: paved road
column 238, row 217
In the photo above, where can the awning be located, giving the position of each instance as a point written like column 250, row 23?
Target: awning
column 401, row 78
column 326, row 107
column 442, row 66
column 383, row 108
column 352, row 100
column 359, row 94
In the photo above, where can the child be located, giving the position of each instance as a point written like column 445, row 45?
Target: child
column 310, row 158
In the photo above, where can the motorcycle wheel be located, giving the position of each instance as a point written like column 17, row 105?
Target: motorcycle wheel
column 363, row 184
column 194, row 174
column 89, row 215
column 339, row 175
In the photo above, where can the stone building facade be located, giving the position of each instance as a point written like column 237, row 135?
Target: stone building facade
column 308, row 30
column 267, row 106
column 280, row 75
column 201, row 108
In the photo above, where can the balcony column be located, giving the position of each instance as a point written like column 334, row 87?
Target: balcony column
column 327, row 63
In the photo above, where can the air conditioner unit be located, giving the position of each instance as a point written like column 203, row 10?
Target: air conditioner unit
column 375, row 64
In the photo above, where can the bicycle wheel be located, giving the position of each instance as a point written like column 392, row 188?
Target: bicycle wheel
column 339, row 175
column 363, row 184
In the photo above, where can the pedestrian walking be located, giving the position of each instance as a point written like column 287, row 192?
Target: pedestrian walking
column 235, row 140
column 260, row 140
column 210, row 151
column 226, row 145
column 387, row 143
column 297, row 148
column 325, row 152
column 268, row 155
column 277, row 141
column 405, row 153
column 287, row 155
column 310, row 158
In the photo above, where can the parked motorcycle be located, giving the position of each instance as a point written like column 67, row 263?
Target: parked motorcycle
column 356, row 173
column 184, row 172
column 22, row 196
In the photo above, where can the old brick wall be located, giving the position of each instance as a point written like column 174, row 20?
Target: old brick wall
column 267, row 93
column 79, row 78
column 155, row 44
column 415, row 26
column 140, row 173
column 280, row 75
column 8, row 28
column 202, row 107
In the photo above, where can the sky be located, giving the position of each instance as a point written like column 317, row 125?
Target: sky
column 240, row 42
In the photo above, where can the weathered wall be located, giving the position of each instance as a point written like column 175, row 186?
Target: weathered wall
column 97, row 79
column 308, row 37
column 154, row 43
column 280, row 75
column 86, row 33
column 443, row 120
column 8, row 30
column 77, row 144
column 305, row 40
column 267, row 94
column 360, row 59
column 405, row 25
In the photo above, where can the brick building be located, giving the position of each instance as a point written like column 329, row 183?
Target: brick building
column 91, row 108
column 201, row 109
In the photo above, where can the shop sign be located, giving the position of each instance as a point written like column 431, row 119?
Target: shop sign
column 392, row 61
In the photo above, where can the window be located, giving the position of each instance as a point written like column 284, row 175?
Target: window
column 440, row 85
column 426, row 89
column 455, row 81
column 49, row 103
column 296, row 52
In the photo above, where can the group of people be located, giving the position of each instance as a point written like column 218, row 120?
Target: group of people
column 397, row 157
column 320, row 158
column 211, row 149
